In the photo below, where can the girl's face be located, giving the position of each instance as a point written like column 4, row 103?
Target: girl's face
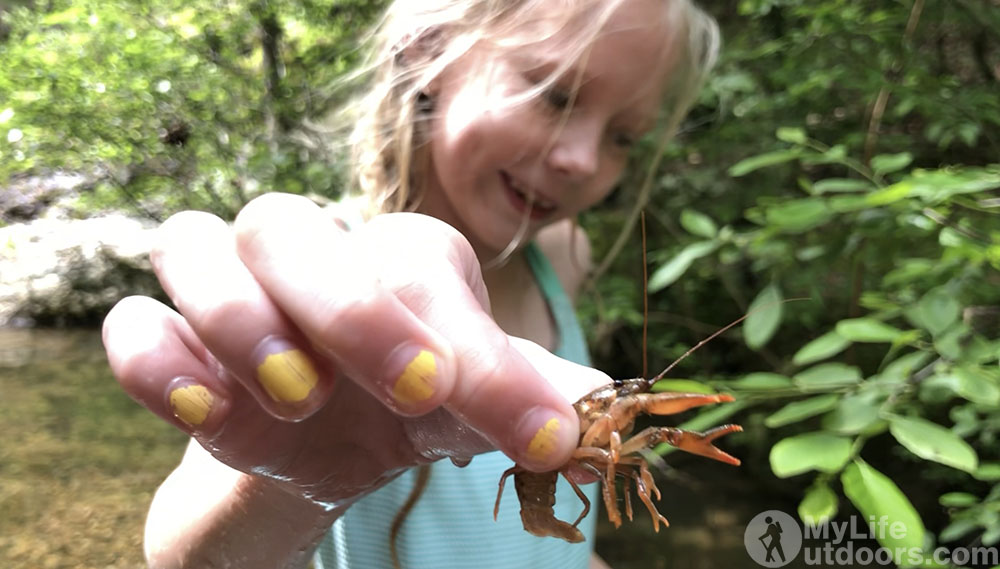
column 491, row 155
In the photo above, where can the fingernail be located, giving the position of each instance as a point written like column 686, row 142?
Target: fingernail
column 544, row 430
column 190, row 402
column 285, row 372
column 418, row 381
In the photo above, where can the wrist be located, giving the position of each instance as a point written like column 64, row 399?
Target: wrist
column 204, row 521
column 284, row 501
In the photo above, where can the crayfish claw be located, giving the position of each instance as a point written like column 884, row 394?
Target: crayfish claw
column 701, row 443
column 669, row 403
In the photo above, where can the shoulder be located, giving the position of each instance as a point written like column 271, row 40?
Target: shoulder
column 567, row 248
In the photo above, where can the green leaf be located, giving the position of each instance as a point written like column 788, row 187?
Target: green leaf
column 797, row 216
column 900, row 369
column 875, row 496
column 818, row 505
column 935, row 186
column 846, row 203
column 675, row 268
column 855, row 414
column 937, row 389
column 988, row 471
column 827, row 345
column 867, row 330
column 974, row 384
column 761, row 381
column 697, row 223
column 810, row 253
column 681, row 386
column 840, row 185
column 747, row 165
column 891, row 194
column 991, row 536
column 958, row 529
column 948, row 343
column 908, row 270
column 810, row 451
column 931, row 441
column 957, row 499
column 800, row 410
column 938, row 310
column 763, row 317
column 713, row 416
column 827, row 376
column 969, row 132
column 888, row 163
column 793, row 135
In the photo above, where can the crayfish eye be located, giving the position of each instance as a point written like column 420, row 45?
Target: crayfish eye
column 618, row 382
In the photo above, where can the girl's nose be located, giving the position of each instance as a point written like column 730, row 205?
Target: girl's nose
column 575, row 152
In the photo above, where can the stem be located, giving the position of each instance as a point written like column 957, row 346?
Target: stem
column 942, row 220
column 855, row 165
column 882, row 99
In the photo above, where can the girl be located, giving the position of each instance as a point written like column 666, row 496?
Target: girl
column 314, row 365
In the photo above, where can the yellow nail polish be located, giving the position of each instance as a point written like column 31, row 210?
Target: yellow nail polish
column 288, row 376
column 191, row 404
column 544, row 441
column 416, row 383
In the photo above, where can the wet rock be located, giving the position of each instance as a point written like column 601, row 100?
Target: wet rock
column 65, row 272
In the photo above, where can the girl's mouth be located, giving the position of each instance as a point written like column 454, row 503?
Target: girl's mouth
column 520, row 198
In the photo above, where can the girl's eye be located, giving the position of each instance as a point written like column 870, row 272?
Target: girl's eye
column 624, row 140
column 558, row 98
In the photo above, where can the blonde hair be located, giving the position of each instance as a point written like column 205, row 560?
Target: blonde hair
column 415, row 41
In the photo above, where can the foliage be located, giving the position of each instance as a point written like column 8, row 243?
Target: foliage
column 876, row 201
column 177, row 104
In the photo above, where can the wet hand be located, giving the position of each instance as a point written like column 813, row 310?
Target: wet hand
column 328, row 360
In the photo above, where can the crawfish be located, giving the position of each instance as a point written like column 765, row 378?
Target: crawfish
column 606, row 415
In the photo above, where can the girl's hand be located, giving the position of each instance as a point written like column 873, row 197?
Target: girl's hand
column 328, row 360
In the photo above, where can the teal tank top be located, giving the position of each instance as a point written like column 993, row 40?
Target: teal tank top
column 451, row 526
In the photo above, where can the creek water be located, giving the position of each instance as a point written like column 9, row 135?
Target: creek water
column 79, row 462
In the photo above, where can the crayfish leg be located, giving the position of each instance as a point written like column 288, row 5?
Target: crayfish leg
column 642, row 489
column 496, row 507
column 627, row 491
column 585, row 458
column 582, row 497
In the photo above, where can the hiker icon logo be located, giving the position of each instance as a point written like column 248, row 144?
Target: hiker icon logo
column 773, row 538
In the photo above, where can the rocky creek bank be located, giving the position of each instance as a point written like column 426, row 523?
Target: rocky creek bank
column 58, row 269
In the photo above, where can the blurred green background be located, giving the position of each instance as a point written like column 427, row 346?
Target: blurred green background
column 845, row 152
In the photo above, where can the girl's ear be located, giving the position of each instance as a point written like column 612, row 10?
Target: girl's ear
column 421, row 46
column 433, row 88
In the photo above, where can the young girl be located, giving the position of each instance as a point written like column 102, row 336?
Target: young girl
column 316, row 358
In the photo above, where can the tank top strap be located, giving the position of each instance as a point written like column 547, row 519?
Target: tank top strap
column 572, row 344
